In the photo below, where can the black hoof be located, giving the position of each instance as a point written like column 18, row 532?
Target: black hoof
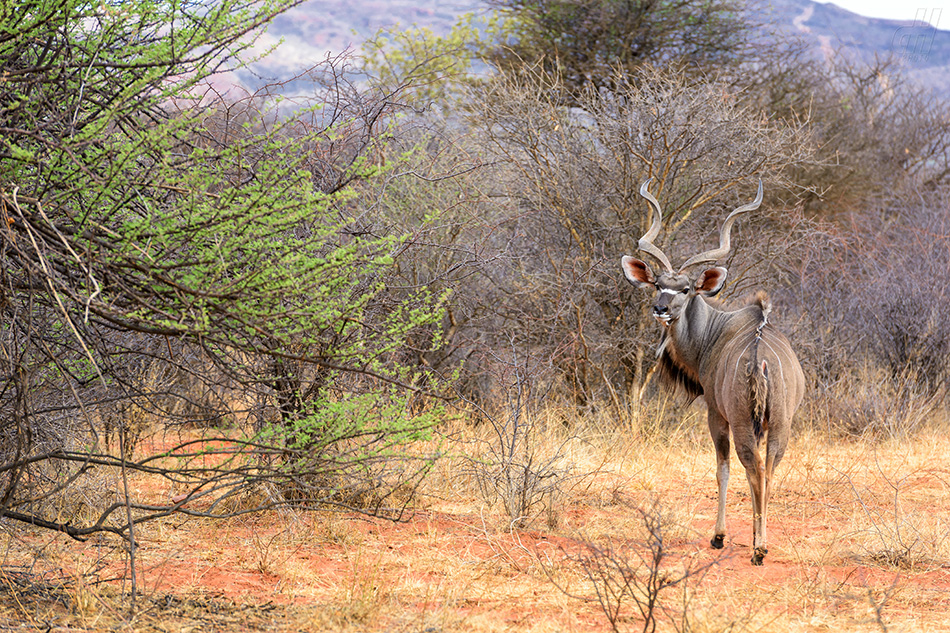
column 758, row 555
column 717, row 541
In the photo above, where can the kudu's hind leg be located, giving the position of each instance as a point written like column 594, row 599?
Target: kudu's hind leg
column 719, row 430
column 759, row 485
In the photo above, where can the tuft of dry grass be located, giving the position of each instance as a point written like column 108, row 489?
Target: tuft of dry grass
column 869, row 403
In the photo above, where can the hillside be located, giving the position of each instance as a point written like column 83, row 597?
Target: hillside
column 923, row 50
column 319, row 28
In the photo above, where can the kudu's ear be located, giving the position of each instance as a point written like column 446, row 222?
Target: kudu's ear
column 711, row 281
column 637, row 272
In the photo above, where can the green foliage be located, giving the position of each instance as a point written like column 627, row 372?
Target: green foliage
column 160, row 239
column 436, row 70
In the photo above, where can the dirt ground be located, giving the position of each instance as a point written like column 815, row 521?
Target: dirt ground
column 859, row 540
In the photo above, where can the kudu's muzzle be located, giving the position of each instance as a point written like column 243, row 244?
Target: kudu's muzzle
column 661, row 310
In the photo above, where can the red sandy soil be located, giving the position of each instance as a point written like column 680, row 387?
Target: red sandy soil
column 835, row 563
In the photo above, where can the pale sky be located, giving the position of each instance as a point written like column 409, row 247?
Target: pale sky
column 937, row 12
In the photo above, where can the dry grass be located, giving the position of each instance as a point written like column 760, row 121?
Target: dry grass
column 859, row 541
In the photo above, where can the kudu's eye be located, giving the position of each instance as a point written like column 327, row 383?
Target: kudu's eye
column 685, row 291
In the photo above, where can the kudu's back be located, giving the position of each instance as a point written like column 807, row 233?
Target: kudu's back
column 756, row 382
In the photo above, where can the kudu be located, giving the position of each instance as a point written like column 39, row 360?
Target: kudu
column 743, row 367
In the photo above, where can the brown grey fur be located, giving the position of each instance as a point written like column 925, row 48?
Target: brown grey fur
column 744, row 368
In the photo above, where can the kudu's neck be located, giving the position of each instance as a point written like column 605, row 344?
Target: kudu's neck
column 694, row 335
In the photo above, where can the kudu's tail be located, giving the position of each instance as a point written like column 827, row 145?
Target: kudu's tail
column 759, row 375
column 759, row 386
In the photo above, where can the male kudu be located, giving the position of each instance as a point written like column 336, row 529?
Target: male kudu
column 743, row 367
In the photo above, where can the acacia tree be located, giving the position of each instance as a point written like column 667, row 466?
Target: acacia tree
column 170, row 254
column 578, row 111
column 584, row 43
column 879, row 136
column 573, row 175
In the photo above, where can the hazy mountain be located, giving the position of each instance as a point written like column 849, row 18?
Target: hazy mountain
column 319, row 28
column 923, row 50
